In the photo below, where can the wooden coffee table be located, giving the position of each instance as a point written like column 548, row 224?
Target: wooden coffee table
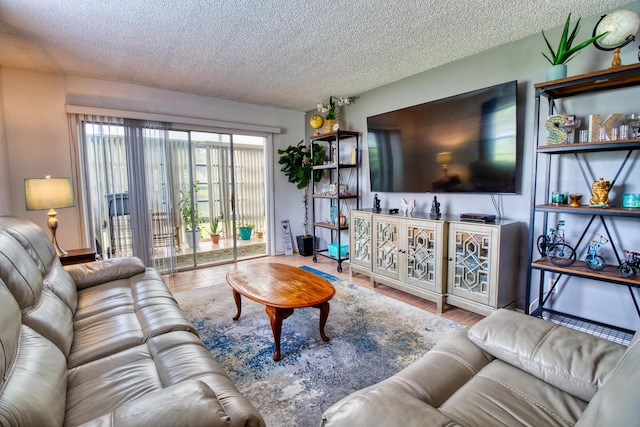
column 281, row 288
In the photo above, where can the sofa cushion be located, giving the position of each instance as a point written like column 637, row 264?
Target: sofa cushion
column 32, row 239
column 181, row 356
column 573, row 361
column 101, row 386
column 503, row 395
column 121, row 314
column 617, row 403
column 39, row 248
column 42, row 308
column 446, row 367
column 32, row 372
column 190, row 403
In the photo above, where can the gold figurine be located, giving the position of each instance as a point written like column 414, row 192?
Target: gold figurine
column 600, row 193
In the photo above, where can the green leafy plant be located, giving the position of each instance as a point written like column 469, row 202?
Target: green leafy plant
column 565, row 52
column 188, row 209
column 215, row 228
column 297, row 162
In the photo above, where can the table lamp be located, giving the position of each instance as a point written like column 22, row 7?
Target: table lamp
column 49, row 193
column 442, row 159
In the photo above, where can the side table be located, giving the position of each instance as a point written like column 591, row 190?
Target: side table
column 78, row 256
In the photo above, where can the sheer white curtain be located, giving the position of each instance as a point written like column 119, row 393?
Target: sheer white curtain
column 130, row 168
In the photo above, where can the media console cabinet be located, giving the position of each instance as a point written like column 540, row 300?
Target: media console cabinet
column 471, row 265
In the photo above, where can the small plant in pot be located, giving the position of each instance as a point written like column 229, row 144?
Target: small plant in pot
column 245, row 231
column 297, row 162
column 215, row 228
column 559, row 58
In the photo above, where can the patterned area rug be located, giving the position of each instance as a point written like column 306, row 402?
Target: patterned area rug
column 372, row 337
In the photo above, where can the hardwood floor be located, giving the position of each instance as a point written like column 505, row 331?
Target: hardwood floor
column 202, row 277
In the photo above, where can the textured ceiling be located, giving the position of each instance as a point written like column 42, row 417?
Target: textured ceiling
column 282, row 53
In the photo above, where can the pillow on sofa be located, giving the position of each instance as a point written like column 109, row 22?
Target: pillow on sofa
column 573, row 361
column 96, row 272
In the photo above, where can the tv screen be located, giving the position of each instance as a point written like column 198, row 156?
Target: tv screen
column 465, row 144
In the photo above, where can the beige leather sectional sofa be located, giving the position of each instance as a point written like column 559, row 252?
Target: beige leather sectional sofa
column 100, row 344
column 507, row 370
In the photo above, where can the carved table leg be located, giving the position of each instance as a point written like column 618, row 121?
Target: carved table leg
column 324, row 315
column 237, row 298
column 277, row 315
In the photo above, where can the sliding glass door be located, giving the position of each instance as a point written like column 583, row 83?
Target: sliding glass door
column 176, row 198
column 230, row 191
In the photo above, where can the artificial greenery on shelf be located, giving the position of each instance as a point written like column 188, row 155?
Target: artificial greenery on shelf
column 565, row 52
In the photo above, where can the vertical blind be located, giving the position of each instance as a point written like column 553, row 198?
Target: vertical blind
column 133, row 175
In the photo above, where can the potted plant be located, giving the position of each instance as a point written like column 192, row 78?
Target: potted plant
column 296, row 161
column 330, row 111
column 215, row 228
column 559, row 58
column 245, row 231
column 190, row 215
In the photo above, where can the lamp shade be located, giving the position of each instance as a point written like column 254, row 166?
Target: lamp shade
column 443, row 158
column 48, row 193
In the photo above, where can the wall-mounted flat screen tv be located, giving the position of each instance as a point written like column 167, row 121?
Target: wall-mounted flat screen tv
column 461, row 144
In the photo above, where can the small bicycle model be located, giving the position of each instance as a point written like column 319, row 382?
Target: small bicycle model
column 630, row 265
column 555, row 248
column 593, row 259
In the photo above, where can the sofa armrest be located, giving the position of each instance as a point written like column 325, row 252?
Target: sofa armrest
column 97, row 272
column 189, row 403
column 389, row 403
column 573, row 361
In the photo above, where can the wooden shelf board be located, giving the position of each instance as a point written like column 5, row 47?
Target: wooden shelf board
column 330, row 136
column 334, row 196
column 579, row 268
column 333, row 166
column 330, row 226
column 610, row 78
column 587, row 210
column 630, row 144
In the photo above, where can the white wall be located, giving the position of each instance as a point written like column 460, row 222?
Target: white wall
column 521, row 61
column 38, row 143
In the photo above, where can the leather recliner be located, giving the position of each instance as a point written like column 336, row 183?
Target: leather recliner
column 101, row 344
column 509, row 369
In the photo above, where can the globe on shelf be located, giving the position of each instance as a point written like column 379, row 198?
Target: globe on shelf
column 621, row 27
column 316, row 121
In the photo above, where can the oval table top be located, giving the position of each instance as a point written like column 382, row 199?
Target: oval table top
column 280, row 285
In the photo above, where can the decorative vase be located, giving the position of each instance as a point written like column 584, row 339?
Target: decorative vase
column 342, row 219
column 331, row 125
column 556, row 72
column 575, row 200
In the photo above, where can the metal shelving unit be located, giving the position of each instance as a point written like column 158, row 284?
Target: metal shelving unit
column 333, row 169
column 591, row 83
